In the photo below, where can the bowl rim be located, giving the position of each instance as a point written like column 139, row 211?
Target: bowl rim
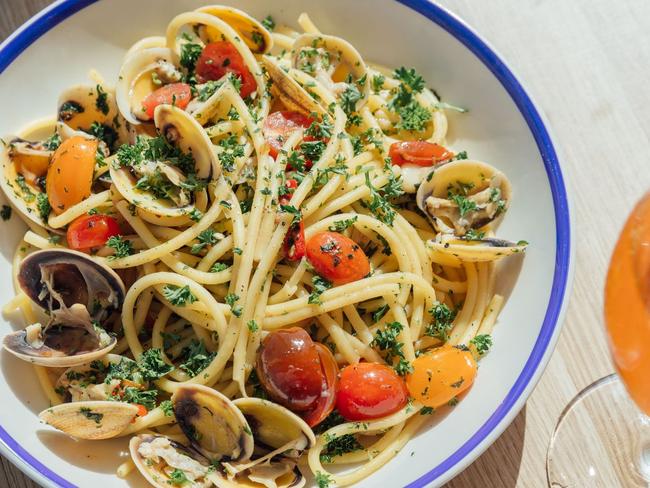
column 494, row 426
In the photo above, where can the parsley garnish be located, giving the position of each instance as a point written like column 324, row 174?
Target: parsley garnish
column 122, row 248
column 28, row 194
column 53, row 142
column 167, row 408
column 386, row 340
column 152, row 366
column 342, row 225
column 378, row 314
column 190, row 53
column 320, row 285
column 349, row 98
column 231, row 151
column 177, row 478
column 197, row 358
column 102, row 100
column 339, row 446
column 377, row 82
column 132, row 394
column 413, row 116
column 217, row 267
column 231, row 299
column 378, row 205
column 90, row 415
column 473, row 235
column 252, row 326
column 178, row 295
column 443, row 317
column 323, row 480
column 268, row 23
column 482, row 343
column 465, row 205
column 207, row 237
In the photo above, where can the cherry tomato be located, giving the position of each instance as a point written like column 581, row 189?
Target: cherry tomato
column 178, row 94
column 422, row 153
column 291, row 185
column 90, row 231
column 142, row 411
column 289, row 368
column 370, row 391
column 441, row 375
column 337, row 258
column 279, row 125
column 325, row 404
column 219, row 58
column 294, row 242
column 70, row 174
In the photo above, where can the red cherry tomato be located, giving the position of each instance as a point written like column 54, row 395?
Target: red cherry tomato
column 142, row 411
column 337, row 258
column 294, row 242
column 90, row 231
column 279, row 125
column 178, row 94
column 422, row 153
column 289, row 368
column 370, row 391
column 325, row 404
column 441, row 375
column 219, row 58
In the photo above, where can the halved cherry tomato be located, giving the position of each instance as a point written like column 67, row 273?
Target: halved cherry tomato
column 337, row 258
column 219, row 58
column 291, row 185
column 294, row 241
column 279, row 125
column 90, row 231
column 142, row 411
column 289, row 368
column 325, row 404
column 422, row 153
column 178, row 94
column 70, row 174
column 370, row 391
column 441, row 375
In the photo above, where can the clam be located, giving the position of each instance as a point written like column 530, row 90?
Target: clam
column 463, row 195
column 334, row 62
column 288, row 91
column 255, row 35
column 476, row 250
column 79, row 295
column 213, row 425
column 91, row 420
column 182, row 131
column 157, row 457
column 83, row 106
column 138, row 77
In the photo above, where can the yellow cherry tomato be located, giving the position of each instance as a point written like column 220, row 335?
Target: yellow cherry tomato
column 441, row 375
column 70, row 174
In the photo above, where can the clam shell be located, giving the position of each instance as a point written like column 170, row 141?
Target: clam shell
column 92, row 420
column 288, row 91
column 255, row 35
column 477, row 251
column 212, row 423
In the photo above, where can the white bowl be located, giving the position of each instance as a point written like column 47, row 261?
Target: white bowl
column 56, row 49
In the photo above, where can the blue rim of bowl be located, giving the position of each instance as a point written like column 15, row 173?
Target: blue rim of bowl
column 60, row 11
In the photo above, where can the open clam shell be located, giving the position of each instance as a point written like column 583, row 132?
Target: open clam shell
column 157, row 457
column 255, row 35
column 81, row 106
column 136, row 80
column 91, row 420
column 212, row 423
column 292, row 95
column 463, row 195
column 183, row 131
column 477, row 250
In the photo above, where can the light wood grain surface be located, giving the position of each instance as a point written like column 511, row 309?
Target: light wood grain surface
column 586, row 63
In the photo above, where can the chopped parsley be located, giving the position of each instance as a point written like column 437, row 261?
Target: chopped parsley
column 90, row 415
column 465, row 205
column 312, row 150
column 102, row 100
column 196, row 358
column 387, row 341
column 482, row 343
column 231, row 151
column 207, row 237
column 5, row 213
column 190, row 53
column 320, row 130
column 268, row 23
column 53, row 142
column 377, row 82
column 28, row 194
column 323, row 480
column 427, row 411
column 252, row 326
column 413, row 116
column 349, row 98
column 154, row 149
column 177, row 478
column 473, row 235
column 319, row 285
column 342, row 225
column 121, row 247
column 297, row 215
column 378, row 314
column 152, row 366
column 147, row 398
column 339, row 446
column 231, row 299
column 167, row 408
column 178, row 295
column 217, row 267
column 378, row 205
column 103, row 133
column 443, row 317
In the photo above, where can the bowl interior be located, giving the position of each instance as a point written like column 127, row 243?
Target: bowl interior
column 391, row 34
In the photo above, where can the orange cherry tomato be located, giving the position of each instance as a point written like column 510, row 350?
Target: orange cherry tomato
column 90, row 231
column 289, row 368
column 70, row 174
column 178, row 94
column 325, row 404
column 370, row 391
column 441, row 375
column 422, row 153
column 294, row 242
column 337, row 258
column 279, row 125
column 142, row 411
column 219, row 58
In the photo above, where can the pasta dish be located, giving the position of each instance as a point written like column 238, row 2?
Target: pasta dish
column 252, row 255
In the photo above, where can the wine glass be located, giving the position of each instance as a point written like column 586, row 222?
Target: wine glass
column 602, row 438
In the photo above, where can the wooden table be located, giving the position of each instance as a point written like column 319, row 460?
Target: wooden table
column 587, row 64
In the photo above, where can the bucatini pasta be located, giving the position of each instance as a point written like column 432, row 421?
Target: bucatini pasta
column 252, row 255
